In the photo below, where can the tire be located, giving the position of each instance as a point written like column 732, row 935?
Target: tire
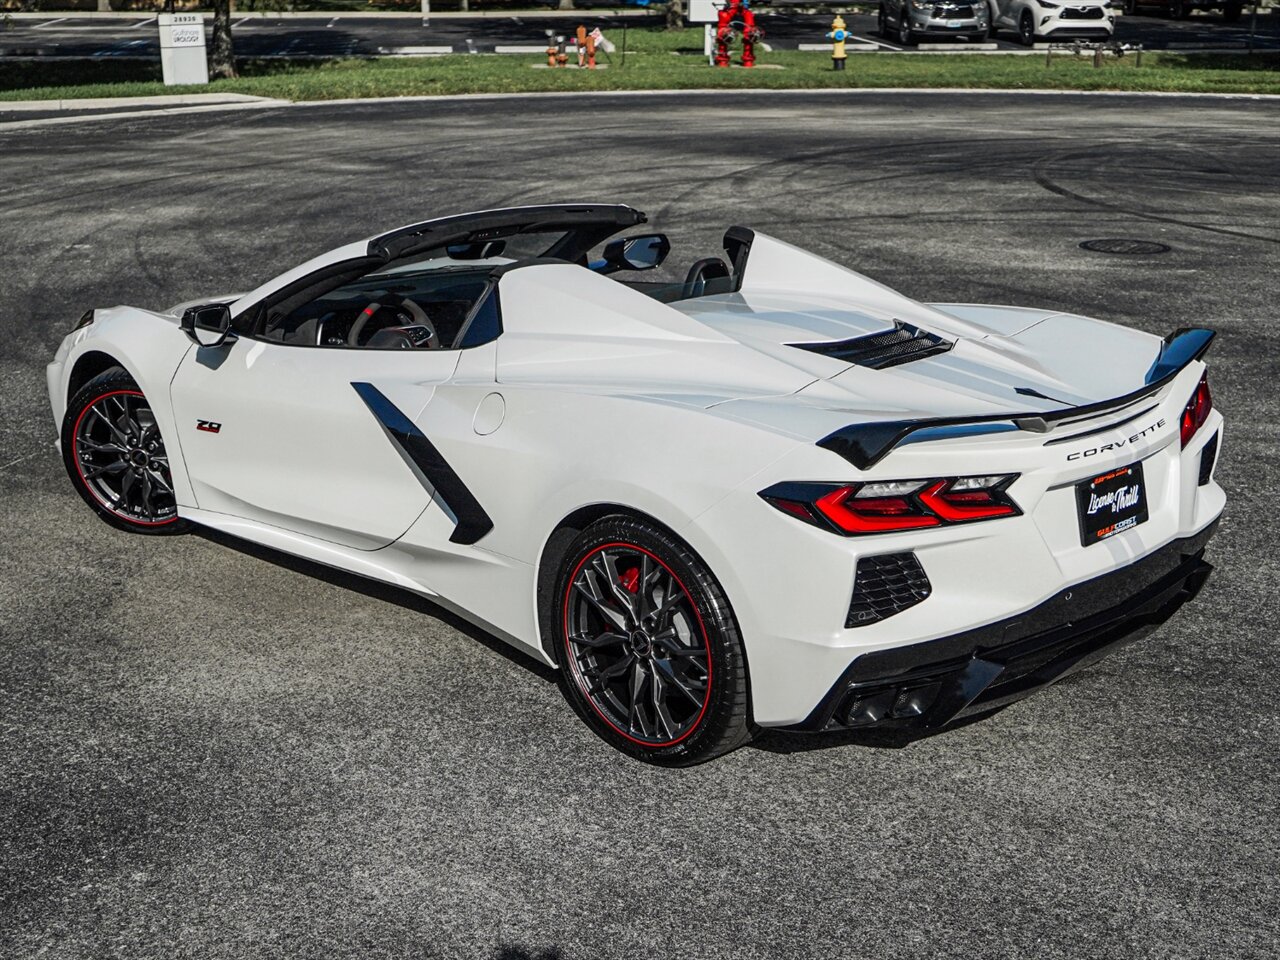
column 1179, row 10
column 906, row 36
column 882, row 23
column 649, row 650
column 1026, row 29
column 116, row 459
column 1130, row 7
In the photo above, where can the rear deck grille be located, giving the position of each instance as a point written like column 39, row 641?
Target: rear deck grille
column 902, row 344
column 884, row 586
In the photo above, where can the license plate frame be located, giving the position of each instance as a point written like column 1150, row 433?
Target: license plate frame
column 1110, row 503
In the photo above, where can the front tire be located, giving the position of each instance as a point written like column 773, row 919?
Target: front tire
column 1027, row 29
column 650, row 653
column 116, row 458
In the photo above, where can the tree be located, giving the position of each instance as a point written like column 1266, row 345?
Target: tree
column 675, row 14
column 223, row 61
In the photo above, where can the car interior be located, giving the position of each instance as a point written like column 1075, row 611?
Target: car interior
column 432, row 299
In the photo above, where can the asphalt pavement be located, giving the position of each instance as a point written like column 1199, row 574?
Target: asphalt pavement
column 209, row 750
column 259, row 36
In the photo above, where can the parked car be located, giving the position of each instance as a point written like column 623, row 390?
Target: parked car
column 1181, row 9
column 1054, row 20
column 775, row 494
column 910, row 21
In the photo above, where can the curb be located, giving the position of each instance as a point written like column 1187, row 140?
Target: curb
column 123, row 103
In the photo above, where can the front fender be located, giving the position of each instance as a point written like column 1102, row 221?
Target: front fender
column 149, row 347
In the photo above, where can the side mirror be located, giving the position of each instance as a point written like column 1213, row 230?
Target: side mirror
column 208, row 325
column 636, row 253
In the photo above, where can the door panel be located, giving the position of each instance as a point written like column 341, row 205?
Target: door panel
column 278, row 434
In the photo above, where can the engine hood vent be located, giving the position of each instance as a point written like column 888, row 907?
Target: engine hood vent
column 887, row 348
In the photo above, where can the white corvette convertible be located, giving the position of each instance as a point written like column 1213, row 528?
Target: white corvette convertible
column 778, row 494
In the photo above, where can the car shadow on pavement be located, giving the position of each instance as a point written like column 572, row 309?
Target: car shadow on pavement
column 379, row 591
column 882, row 738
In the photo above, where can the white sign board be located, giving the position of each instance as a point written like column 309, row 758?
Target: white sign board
column 187, row 30
column 703, row 11
column 182, row 55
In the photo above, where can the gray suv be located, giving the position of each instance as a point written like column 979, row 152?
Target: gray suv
column 909, row 21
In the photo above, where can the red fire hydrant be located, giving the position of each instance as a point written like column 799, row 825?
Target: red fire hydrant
column 736, row 17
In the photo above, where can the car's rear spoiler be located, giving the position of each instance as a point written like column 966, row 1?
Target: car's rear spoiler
column 866, row 444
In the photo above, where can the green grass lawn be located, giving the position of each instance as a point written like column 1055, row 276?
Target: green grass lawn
column 655, row 60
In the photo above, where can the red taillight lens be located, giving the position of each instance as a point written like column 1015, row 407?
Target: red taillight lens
column 1197, row 410
column 888, row 506
column 956, row 506
column 875, row 515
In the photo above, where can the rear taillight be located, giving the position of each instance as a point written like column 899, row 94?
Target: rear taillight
column 890, row 506
column 1197, row 410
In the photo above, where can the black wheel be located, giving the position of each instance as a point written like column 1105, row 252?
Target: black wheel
column 882, row 23
column 1179, row 10
column 1130, row 7
column 650, row 653
column 1026, row 29
column 906, row 36
column 1231, row 12
column 116, row 458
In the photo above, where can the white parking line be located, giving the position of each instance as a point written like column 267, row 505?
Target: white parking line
column 332, row 22
column 882, row 43
column 50, row 23
column 242, row 22
column 142, row 23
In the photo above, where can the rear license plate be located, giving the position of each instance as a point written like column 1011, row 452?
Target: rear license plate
column 1111, row 503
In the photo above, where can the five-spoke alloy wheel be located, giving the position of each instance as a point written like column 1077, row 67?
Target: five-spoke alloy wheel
column 650, row 652
column 115, row 456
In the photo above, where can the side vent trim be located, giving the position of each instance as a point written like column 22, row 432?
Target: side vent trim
column 429, row 466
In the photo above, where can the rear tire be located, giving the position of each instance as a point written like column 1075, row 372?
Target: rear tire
column 1178, row 10
column 1130, row 7
column 650, row 654
column 905, row 35
column 116, row 458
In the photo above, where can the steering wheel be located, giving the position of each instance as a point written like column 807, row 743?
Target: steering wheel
column 407, row 312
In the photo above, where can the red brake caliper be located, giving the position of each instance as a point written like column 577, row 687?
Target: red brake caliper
column 631, row 579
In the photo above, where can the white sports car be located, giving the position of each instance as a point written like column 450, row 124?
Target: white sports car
column 778, row 494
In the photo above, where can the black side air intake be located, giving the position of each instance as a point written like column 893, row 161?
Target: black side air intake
column 888, row 348
column 886, row 585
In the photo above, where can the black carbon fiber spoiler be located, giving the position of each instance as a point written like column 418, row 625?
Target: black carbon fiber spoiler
column 866, row 444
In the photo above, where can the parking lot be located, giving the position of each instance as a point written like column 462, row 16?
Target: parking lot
column 210, row 750
column 373, row 36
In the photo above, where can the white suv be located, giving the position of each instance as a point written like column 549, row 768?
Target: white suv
column 1053, row 20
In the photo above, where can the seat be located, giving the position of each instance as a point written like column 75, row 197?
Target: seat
column 702, row 271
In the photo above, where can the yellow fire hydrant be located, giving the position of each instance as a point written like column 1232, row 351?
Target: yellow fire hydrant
column 838, row 35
